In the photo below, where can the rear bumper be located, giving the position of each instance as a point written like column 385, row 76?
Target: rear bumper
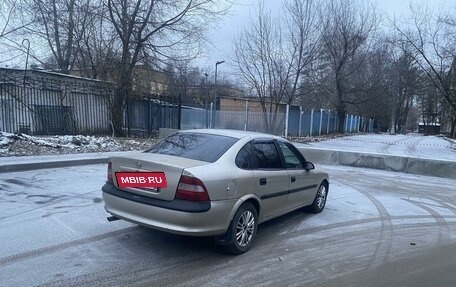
column 174, row 217
column 177, row 204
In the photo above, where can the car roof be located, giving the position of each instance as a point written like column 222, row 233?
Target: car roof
column 232, row 133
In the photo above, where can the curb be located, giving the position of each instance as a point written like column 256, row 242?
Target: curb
column 15, row 167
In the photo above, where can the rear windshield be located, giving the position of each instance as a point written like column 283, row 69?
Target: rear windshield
column 204, row 147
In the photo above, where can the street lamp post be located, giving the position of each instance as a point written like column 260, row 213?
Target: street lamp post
column 216, row 92
column 26, row 60
column 206, row 100
column 206, row 88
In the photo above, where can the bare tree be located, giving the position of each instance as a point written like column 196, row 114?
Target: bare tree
column 272, row 61
column 12, row 28
column 431, row 38
column 8, row 22
column 61, row 24
column 302, row 43
column 404, row 85
column 367, row 87
column 190, row 84
column 347, row 29
column 429, row 102
column 98, row 51
column 258, row 51
column 155, row 29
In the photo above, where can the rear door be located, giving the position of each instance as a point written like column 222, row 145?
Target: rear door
column 303, row 183
column 271, row 177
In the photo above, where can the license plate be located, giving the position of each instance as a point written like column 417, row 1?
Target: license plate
column 145, row 180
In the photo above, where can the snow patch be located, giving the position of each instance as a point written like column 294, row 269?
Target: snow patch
column 5, row 139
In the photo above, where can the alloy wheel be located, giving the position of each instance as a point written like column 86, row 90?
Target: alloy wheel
column 321, row 200
column 245, row 228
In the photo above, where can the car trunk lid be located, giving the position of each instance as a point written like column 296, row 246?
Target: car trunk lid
column 172, row 166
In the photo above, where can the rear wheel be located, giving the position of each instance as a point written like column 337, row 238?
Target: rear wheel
column 243, row 229
column 319, row 202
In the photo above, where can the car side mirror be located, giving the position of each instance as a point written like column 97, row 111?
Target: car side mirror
column 309, row 166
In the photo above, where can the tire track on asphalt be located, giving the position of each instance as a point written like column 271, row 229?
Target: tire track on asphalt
column 54, row 248
column 122, row 275
column 342, row 241
column 175, row 272
column 444, row 234
column 53, row 202
column 277, row 225
column 444, row 201
column 356, row 232
column 385, row 240
column 353, row 241
column 262, row 240
column 441, row 201
column 441, row 198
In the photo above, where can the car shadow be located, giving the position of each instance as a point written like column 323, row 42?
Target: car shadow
column 270, row 233
column 143, row 240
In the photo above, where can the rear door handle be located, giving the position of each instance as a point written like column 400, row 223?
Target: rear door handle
column 293, row 179
column 263, row 181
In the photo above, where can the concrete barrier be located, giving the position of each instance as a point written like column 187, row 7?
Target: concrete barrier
column 421, row 166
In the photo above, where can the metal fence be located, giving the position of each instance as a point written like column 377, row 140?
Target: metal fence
column 194, row 118
column 268, row 122
column 50, row 106
column 197, row 118
column 297, row 122
column 145, row 117
column 323, row 122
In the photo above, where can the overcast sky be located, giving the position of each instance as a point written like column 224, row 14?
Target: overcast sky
column 223, row 36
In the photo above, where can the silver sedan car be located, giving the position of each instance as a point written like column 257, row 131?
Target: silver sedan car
column 220, row 183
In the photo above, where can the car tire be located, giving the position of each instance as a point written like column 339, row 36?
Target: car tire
column 319, row 202
column 242, row 230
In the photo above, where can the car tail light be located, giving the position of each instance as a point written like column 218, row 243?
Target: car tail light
column 109, row 175
column 192, row 189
